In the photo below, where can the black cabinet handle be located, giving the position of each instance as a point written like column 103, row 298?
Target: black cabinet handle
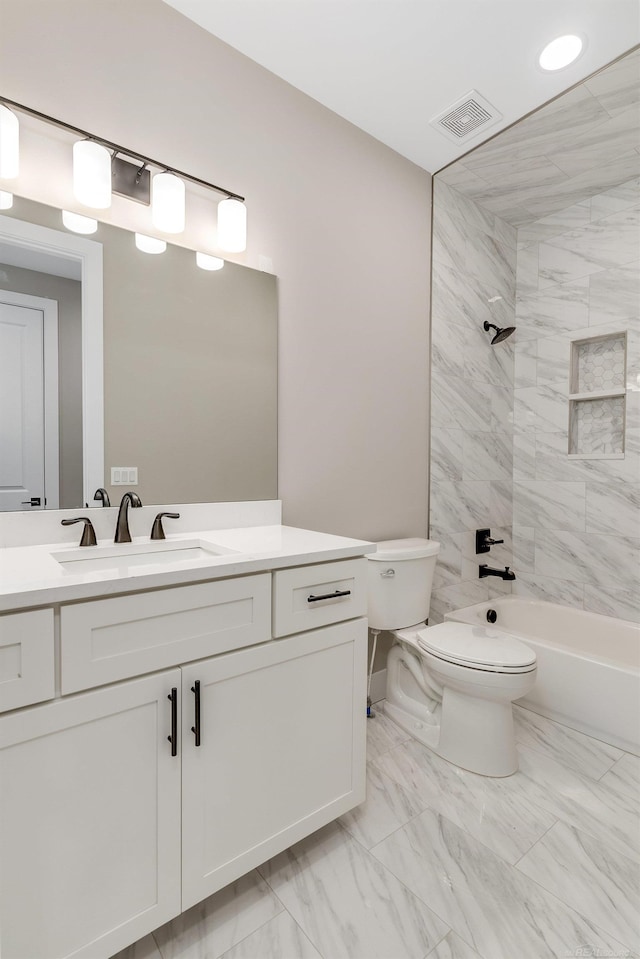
column 195, row 689
column 173, row 738
column 335, row 595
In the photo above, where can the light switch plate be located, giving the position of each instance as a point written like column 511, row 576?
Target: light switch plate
column 124, row 475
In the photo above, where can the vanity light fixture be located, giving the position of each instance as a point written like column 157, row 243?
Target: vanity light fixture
column 9, row 144
column 150, row 244
column 232, row 225
column 561, row 52
column 6, row 200
column 92, row 174
column 168, row 203
column 78, row 223
column 207, row 262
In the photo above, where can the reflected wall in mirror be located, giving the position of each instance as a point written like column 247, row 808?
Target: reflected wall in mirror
column 190, row 371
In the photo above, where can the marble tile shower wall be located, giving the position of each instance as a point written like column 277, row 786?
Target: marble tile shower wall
column 474, row 270
column 576, row 522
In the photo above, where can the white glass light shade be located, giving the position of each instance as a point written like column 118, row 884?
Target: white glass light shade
column 207, row 262
column 78, row 223
column 92, row 174
column 6, row 200
column 560, row 52
column 167, row 203
column 232, row 226
column 150, row 244
column 9, row 144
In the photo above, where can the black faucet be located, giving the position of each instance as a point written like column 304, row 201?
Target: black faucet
column 122, row 526
column 484, row 541
column 505, row 573
column 102, row 496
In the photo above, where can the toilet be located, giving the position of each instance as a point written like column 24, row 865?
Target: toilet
column 450, row 686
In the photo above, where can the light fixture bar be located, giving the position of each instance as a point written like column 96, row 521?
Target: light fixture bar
column 118, row 148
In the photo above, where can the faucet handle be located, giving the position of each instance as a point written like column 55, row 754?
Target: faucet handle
column 484, row 541
column 157, row 532
column 88, row 533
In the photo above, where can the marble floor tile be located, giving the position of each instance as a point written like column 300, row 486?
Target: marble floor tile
column 212, row 927
column 453, row 947
column 348, row 904
column 591, row 806
column 382, row 734
column 589, row 877
column 280, row 938
column 575, row 750
column 624, row 776
column 142, row 949
column 504, row 820
column 387, row 807
column 488, row 903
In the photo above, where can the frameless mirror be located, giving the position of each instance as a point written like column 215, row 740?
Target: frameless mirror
column 188, row 356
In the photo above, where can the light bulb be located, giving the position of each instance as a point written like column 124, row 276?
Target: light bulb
column 78, row 223
column 92, row 174
column 6, row 200
column 560, row 52
column 232, row 226
column 167, row 203
column 150, row 244
column 9, row 144
column 207, row 262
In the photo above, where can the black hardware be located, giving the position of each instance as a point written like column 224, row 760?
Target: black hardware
column 157, row 531
column 88, row 537
column 122, row 526
column 505, row 573
column 102, row 496
column 501, row 334
column 338, row 592
column 173, row 738
column 491, row 616
column 195, row 689
column 34, row 501
column 484, row 541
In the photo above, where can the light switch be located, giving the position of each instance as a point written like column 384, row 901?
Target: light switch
column 124, row 475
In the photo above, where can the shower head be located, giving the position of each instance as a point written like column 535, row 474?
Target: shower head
column 500, row 334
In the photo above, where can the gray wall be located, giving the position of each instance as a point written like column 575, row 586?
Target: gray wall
column 68, row 295
column 344, row 219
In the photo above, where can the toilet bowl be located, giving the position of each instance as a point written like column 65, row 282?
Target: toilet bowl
column 450, row 686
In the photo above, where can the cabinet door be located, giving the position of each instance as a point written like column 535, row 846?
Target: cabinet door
column 282, row 750
column 89, row 822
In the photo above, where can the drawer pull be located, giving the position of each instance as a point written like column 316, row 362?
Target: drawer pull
column 195, row 689
column 335, row 595
column 173, row 738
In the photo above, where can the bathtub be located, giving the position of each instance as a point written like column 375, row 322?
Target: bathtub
column 588, row 665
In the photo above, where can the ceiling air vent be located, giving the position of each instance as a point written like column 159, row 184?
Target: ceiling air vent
column 466, row 118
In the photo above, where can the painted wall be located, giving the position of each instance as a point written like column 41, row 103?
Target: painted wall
column 474, row 260
column 67, row 293
column 344, row 220
column 577, row 521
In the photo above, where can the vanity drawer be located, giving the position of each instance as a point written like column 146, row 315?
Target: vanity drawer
column 26, row 658
column 303, row 598
column 110, row 639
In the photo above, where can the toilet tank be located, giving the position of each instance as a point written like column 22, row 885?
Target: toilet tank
column 399, row 577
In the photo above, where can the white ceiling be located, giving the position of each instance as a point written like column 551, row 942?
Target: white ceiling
column 390, row 66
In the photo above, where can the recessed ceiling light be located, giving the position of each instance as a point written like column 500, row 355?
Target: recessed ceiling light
column 560, row 52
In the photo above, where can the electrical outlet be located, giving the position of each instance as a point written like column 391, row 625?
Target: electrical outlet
column 124, row 475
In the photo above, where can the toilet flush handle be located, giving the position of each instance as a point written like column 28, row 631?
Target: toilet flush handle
column 388, row 573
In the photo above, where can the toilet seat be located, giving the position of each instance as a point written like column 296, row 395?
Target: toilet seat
column 477, row 647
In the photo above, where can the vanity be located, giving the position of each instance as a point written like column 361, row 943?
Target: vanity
column 171, row 714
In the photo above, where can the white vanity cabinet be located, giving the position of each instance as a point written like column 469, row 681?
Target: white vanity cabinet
column 114, row 817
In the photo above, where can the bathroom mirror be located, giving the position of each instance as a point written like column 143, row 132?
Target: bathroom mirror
column 189, row 361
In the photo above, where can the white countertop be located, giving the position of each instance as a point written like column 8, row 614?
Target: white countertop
column 30, row 576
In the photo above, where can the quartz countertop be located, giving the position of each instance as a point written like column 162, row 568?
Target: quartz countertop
column 30, row 575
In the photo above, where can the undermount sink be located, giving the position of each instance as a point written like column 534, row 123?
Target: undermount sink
column 128, row 557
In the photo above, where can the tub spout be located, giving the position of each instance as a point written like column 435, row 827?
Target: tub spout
column 505, row 573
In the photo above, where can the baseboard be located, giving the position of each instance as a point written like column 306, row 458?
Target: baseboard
column 378, row 686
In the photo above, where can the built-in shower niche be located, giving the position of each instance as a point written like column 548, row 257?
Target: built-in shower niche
column 597, row 396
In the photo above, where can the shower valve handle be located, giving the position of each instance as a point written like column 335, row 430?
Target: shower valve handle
column 484, row 541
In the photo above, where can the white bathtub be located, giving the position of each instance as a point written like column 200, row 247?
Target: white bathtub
column 588, row 665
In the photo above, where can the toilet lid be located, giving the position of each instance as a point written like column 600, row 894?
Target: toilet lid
column 476, row 645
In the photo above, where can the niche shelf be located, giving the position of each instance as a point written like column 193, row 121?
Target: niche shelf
column 597, row 397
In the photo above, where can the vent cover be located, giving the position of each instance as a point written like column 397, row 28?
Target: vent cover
column 466, row 118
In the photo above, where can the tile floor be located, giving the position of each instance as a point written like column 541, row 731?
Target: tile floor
column 444, row 864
